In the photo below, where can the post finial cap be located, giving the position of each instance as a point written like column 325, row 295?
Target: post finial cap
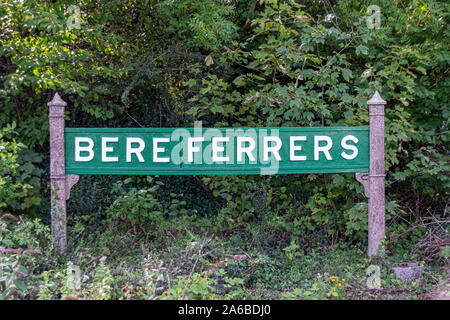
column 376, row 99
column 57, row 101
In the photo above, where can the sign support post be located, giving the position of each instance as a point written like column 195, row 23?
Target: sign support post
column 376, row 176
column 374, row 182
column 60, row 183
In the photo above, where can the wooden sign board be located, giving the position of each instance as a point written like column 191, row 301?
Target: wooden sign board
column 212, row 151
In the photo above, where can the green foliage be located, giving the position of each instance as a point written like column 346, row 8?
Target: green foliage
column 138, row 206
column 205, row 24
column 101, row 287
column 8, row 158
column 19, row 242
column 41, row 52
column 27, row 173
column 445, row 253
column 269, row 63
column 183, row 264
column 323, row 287
column 235, row 63
column 19, row 174
column 317, row 65
column 11, row 275
column 60, row 283
column 291, row 250
column 28, row 235
column 196, row 287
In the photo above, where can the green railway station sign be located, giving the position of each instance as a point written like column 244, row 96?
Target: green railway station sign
column 212, row 151
column 218, row 151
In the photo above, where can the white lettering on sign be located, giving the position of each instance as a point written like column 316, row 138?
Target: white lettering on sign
column 106, row 149
column 325, row 149
column 247, row 150
column 349, row 147
column 216, row 149
column 294, row 148
column 157, row 150
column 89, row 148
column 219, row 150
column 272, row 149
column 137, row 151
column 190, row 147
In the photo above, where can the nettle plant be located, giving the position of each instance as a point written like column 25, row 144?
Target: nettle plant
column 12, row 275
column 143, row 205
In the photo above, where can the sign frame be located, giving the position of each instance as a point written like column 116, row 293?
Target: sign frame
column 146, row 166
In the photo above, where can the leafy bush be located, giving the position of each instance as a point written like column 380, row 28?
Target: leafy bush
column 246, row 63
column 143, row 206
column 19, row 175
column 11, row 277
column 204, row 24
column 235, row 63
column 317, row 65
column 136, row 206
column 324, row 287
column 196, row 287
column 22, row 246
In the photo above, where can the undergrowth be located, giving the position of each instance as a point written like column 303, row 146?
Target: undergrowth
column 108, row 259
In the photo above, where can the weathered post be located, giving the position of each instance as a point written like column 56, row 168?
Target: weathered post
column 57, row 173
column 60, row 183
column 374, row 182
